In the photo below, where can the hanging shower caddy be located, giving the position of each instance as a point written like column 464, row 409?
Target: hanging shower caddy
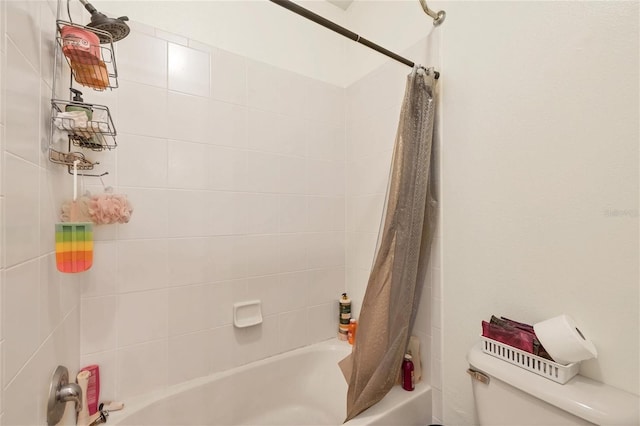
column 89, row 54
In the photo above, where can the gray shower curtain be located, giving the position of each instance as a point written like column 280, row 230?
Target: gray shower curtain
column 395, row 283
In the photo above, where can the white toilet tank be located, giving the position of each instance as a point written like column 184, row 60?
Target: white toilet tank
column 514, row 396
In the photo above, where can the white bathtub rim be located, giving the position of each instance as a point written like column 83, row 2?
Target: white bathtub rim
column 139, row 402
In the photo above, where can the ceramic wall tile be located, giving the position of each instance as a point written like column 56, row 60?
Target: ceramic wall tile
column 142, row 161
column 21, row 209
column 102, row 277
column 20, row 406
column 189, row 118
column 223, row 352
column 364, row 212
column 22, row 92
column 187, row 165
column 254, row 343
column 263, row 214
column 325, row 177
column 134, row 258
column 294, row 175
column 229, row 77
column 227, row 255
column 262, row 255
column 224, row 295
column 98, row 324
column 22, row 23
column 51, row 307
column 265, row 85
column 326, row 142
column 326, row 214
column 47, row 43
column 149, row 218
column 265, row 131
column 227, row 168
column 263, row 172
column 188, row 261
column 20, row 317
column 325, row 285
column 148, row 311
column 143, row 59
column 360, row 249
column 189, row 308
column 226, row 213
column 230, row 123
column 266, row 289
column 294, row 252
column 187, row 212
column 189, row 70
column 141, row 368
column 292, row 327
column 326, row 250
column 295, row 286
column 189, row 356
column 323, row 322
column 142, row 109
column 295, row 136
column 293, row 215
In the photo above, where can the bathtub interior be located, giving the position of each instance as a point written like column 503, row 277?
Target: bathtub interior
column 302, row 387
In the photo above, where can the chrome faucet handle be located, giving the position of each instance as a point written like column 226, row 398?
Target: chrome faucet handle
column 61, row 392
column 71, row 392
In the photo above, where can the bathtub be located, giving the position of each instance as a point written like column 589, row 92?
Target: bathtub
column 300, row 387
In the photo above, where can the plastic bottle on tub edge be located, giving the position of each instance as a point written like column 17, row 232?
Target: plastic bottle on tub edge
column 408, row 378
column 345, row 316
column 351, row 333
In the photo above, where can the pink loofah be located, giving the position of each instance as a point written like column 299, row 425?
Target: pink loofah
column 77, row 211
column 107, row 208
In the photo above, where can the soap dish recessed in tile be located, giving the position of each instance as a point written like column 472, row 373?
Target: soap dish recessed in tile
column 247, row 314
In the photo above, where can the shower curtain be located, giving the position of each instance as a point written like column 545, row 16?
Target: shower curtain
column 391, row 300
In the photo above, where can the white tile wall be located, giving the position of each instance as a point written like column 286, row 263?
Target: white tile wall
column 233, row 200
column 143, row 59
column 237, row 174
column 229, row 77
column 141, row 368
column 189, row 70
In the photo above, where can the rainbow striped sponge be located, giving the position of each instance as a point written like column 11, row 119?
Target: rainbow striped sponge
column 74, row 246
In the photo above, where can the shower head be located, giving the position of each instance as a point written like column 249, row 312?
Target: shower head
column 117, row 27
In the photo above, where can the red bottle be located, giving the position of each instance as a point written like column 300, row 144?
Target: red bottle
column 408, row 382
column 93, row 389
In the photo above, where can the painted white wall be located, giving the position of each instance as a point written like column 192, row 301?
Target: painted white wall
column 540, row 179
column 394, row 24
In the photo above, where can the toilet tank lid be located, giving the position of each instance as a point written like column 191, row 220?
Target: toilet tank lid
column 583, row 397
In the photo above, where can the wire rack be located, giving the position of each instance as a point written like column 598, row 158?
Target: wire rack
column 97, row 134
column 69, row 158
column 92, row 64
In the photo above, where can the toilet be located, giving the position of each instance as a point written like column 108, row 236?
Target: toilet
column 506, row 394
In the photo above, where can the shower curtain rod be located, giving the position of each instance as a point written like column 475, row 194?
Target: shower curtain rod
column 306, row 13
